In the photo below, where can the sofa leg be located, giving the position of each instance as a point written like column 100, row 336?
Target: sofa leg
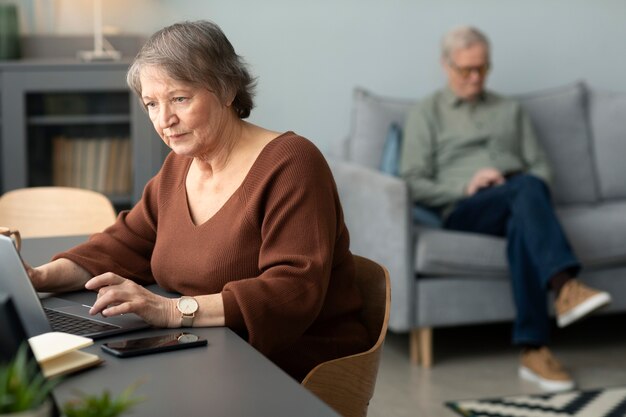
column 421, row 346
column 414, row 346
column 426, row 346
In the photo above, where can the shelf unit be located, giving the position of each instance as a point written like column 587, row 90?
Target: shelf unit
column 42, row 100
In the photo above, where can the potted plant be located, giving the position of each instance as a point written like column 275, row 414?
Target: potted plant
column 24, row 392
column 101, row 405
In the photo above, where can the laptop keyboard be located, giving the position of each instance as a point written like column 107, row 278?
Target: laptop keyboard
column 61, row 322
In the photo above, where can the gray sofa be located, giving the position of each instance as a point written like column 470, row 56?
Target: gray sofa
column 441, row 278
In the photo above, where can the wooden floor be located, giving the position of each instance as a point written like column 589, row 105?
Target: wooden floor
column 479, row 362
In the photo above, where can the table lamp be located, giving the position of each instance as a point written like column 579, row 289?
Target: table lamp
column 102, row 49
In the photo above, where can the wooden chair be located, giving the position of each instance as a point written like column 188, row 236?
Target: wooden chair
column 55, row 211
column 347, row 383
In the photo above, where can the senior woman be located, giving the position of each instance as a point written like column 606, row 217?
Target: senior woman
column 243, row 221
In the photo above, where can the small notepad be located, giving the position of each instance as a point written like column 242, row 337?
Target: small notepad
column 58, row 353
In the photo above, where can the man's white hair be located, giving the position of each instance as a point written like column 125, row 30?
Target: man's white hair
column 461, row 38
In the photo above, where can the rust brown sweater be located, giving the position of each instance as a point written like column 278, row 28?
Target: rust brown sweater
column 277, row 251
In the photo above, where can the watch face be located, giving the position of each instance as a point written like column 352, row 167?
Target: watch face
column 187, row 338
column 187, row 305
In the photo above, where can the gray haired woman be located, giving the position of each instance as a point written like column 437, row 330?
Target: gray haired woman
column 244, row 222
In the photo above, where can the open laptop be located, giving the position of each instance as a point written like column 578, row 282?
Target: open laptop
column 59, row 314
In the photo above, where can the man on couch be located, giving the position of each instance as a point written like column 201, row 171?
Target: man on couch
column 473, row 156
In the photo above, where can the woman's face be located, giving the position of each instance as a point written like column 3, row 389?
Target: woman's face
column 191, row 120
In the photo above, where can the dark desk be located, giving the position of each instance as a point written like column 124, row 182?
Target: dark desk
column 226, row 378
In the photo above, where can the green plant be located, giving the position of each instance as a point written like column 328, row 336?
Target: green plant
column 22, row 386
column 102, row 405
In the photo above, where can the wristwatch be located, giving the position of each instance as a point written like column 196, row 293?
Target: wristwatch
column 187, row 307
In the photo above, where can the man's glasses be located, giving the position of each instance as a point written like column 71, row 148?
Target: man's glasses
column 465, row 72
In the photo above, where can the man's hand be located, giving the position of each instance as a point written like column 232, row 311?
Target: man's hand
column 483, row 178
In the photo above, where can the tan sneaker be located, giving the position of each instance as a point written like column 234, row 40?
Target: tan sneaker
column 576, row 300
column 541, row 367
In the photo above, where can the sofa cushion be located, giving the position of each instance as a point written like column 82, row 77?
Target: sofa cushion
column 607, row 116
column 560, row 119
column 372, row 116
column 596, row 232
column 446, row 252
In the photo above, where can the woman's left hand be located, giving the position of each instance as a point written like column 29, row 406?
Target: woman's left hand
column 118, row 295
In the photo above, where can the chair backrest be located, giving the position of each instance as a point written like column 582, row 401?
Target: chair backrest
column 55, row 211
column 347, row 383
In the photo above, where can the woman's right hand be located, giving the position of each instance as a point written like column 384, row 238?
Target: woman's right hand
column 60, row 275
column 35, row 275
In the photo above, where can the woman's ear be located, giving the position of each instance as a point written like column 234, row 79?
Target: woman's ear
column 229, row 99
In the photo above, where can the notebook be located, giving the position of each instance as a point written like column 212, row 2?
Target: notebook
column 59, row 353
column 60, row 314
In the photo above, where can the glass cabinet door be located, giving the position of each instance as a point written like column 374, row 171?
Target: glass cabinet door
column 80, row 139
column 77, row 126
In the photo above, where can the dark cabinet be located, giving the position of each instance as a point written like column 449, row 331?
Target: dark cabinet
column 75, row 124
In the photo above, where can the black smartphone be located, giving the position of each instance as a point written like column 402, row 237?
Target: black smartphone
column 153, row 344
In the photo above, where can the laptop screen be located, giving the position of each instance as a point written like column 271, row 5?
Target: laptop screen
column 15, row 282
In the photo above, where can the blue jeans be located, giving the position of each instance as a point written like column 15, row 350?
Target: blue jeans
column 521, row 210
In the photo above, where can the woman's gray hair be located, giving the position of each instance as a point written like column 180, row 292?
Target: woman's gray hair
column 461, row 38
column 200, row 54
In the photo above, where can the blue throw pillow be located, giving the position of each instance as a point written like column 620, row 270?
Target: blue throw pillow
column 390, row 161
column 426, row 216
column 390, row 164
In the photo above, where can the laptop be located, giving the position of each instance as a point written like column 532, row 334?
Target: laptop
column 59, row 314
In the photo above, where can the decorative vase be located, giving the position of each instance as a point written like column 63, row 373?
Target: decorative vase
column 9, row 32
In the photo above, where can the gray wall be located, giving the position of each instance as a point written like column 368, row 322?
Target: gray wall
column 310, row 55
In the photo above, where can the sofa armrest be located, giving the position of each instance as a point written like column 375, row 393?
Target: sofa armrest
column 376, row 208
column 338, row 150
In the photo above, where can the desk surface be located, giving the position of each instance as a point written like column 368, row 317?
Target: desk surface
column 226, row 378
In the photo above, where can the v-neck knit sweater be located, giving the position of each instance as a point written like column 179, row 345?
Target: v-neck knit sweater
column 277, row 250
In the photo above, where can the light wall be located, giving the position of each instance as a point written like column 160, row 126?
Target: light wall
column 309, row 55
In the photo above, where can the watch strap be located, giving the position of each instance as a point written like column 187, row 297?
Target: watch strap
column 188, row 320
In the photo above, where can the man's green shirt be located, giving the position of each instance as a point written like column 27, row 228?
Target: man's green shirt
column 446, row 140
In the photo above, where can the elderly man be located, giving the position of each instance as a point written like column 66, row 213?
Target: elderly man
column 473, row 156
